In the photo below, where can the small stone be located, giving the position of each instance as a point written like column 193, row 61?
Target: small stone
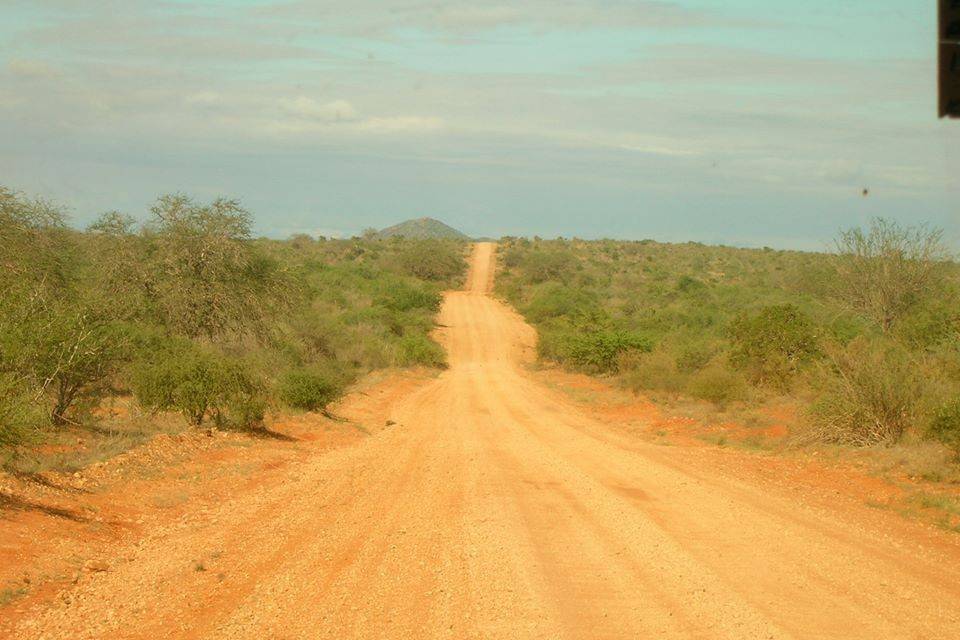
column 96, row 565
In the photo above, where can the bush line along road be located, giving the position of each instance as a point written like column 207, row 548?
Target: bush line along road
column 495, row 508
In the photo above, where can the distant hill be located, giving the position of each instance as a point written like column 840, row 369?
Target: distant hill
column 422, row 228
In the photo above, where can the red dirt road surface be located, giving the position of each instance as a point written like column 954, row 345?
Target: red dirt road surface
column 495, row 508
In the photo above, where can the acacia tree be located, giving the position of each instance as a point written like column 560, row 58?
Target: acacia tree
column 884, row 271
column 32, row 277
column 205, row 276
column 55, row 345
column 34, row 247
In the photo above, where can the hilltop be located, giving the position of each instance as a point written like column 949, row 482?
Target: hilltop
column 422, row 228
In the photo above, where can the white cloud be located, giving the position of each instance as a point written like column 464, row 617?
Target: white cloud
column 33, row 69
column 402, row 124
column 659, row 150
column 472, row 17
column 310, row 109
column 371, row 17
column 203, row 98
column 841, row 171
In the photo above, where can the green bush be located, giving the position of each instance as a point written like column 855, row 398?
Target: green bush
column 417, row 349
column 719, row 385
column 772, row 345
column 309, row 390
column 597, row 350
column 694, row 357
column 433, row 260
column 931, row 326
column 690, row 300
column 168, row 301
column 242, row 411
column 556, row 301
column 197, row 384
column 543, row 266
column 401, row 296
column 690, row 285
column 945, row 426
column 18, row 414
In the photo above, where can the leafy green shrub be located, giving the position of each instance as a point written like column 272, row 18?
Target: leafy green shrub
column 242, row 411
column 945, row 426
column 871, row 394
column 401, row 296
column 932, row 325
column 595, row 350
column 18, row 413
column 197, row 384
column 433, row 260
column 773, row 344
column 719, row 385
column 309, row 390
column 556, row 301
column 166, row 300
column 541, row 266
column 689, row 285
column 418, row 349
column 690, row 300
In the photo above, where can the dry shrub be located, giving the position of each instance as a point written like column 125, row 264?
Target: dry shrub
column 718, row 384
column 945, row 426
column 655, row 371
column 871, row 394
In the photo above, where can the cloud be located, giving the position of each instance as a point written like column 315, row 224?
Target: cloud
column 32, row 69
column 468, row 17
column 841, row 172
column 629, row 94
column 458, row 17
column 308, row 108
column 402, row 124
column 368, row 126
column 305, row 116
column 152, row 34
column 203, row 98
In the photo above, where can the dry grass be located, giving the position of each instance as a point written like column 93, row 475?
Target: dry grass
column 12, row 594
column 119, row 428
column 919, row 460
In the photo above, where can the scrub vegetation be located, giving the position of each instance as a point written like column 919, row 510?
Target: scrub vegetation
column 866, row 337
column 188, row 314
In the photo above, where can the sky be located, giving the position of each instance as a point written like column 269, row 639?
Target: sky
column 737, row 122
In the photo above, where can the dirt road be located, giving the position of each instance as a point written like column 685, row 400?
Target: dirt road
column 494, row 508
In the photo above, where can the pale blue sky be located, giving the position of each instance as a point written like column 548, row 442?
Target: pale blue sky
column 740, row 122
